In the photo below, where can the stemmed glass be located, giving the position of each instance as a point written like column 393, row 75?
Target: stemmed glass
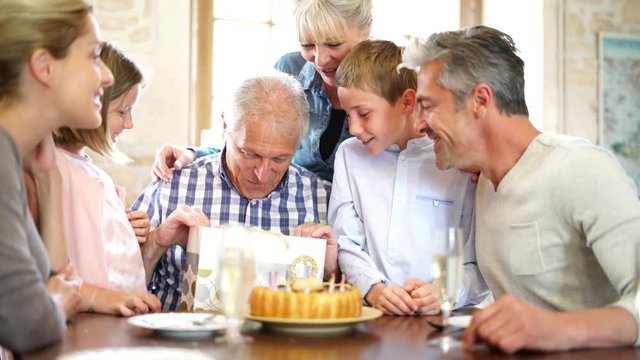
column 237, row 278
column 637, row 279
column 446, row 272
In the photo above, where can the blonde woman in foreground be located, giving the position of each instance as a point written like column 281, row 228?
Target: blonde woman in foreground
column 51, row 76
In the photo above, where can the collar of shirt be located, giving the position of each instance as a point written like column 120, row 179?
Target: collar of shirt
column 413, row 145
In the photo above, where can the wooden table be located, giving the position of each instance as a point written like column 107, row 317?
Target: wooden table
column 387, row 337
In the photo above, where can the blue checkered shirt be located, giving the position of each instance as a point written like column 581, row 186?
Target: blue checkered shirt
column 300, row 197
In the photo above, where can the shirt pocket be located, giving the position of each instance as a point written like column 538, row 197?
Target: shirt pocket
column 434, row 201
column 525, row 255
column 438, row 210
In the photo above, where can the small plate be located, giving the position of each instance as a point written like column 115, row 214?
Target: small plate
column 316, row 326
column 461, row 321
column 137, row 353
column 181, row 325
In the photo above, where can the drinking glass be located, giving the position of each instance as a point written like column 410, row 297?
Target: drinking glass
column 237, row 278
column 637, row 262
column 447, row 266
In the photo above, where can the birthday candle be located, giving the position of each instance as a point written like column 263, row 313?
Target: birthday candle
column 332, row 282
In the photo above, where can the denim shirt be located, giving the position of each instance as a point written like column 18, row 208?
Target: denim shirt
column 308, row 154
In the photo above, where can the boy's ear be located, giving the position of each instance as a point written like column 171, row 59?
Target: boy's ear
column 409, row 100
column 41, row 66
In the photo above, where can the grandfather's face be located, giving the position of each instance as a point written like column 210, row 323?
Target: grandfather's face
column 257, row 157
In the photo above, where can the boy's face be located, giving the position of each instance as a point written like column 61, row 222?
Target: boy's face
column 377, row 123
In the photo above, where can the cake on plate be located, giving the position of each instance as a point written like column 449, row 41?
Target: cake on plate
column 307, row 299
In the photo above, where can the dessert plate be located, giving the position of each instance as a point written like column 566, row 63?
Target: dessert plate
column 137, row 353
column 316, row 326
column 181, row 325
column 461, row 321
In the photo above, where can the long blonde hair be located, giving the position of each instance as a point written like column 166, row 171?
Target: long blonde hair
column 28, row 25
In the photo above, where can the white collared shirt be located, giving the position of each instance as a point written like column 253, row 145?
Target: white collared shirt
column 385, row 208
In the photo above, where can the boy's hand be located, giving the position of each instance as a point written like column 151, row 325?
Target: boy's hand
column 425, row 295
column 391, row 300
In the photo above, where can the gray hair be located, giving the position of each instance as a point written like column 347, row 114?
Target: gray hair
column 471, row 56
column 276, row 97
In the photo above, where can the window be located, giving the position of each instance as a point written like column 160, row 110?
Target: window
column 246, row 37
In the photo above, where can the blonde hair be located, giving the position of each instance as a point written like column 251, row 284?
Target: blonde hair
column 27, row 25
column 328, row 21
column 372, row 66
column 126, row 75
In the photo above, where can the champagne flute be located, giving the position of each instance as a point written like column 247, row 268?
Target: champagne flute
column 447, row 266
column 637, row 279
column 237, row 277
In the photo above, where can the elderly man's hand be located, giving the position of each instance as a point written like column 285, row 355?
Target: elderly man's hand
column 322, row 231
column 175, row 230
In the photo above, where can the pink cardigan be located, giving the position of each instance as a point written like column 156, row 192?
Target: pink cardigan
column 100, row 240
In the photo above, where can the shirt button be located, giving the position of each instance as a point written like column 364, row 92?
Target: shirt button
column 403, row 158
column 436, row 203
column 254, row 202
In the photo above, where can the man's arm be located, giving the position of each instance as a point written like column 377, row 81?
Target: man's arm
column 151, row 254
column 511, row 324
column 173, row 231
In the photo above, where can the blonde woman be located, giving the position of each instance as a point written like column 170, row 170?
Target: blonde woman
column 51, row 76
column 327, row 31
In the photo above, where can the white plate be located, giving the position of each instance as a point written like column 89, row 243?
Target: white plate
column 137, row 353
column 181, row 325
column 461, row 321
column 316, row 326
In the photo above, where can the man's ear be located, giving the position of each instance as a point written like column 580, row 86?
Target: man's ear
column 41, row 66
column 225, row 128
column 482, row 98
column 409, row 101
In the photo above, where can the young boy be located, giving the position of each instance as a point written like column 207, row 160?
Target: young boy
column 388, row 197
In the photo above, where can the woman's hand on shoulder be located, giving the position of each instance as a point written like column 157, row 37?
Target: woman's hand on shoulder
column 170, row 157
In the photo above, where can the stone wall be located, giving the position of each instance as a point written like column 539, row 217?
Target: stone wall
column 157, row 35
column 583, row 20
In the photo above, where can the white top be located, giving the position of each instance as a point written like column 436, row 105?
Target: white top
column 562, row 230
column 385, row 208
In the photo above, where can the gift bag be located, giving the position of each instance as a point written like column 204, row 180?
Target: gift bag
column 278, row 259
